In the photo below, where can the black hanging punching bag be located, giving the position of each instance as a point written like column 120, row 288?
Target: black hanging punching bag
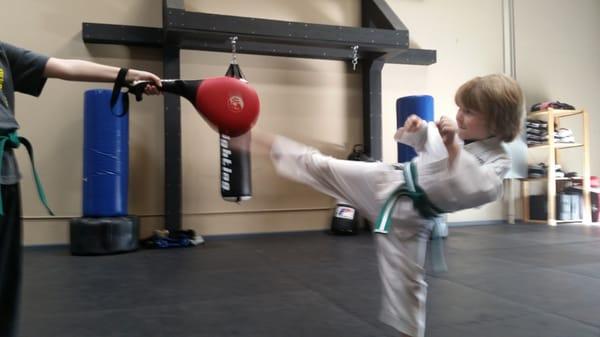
column 236, row 180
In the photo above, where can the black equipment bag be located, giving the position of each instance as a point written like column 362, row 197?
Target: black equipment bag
column 346, row 219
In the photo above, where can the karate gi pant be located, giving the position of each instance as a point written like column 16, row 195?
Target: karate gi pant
column 401, row 260
column 366, row 186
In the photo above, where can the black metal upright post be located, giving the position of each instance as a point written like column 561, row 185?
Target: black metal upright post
column 172, row 120
column 372, row 107
column 376, row 14
column 373, row 16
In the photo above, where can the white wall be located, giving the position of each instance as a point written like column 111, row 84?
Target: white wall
column 300, row 98
column 318, row 102
column 558, row 58
column 468, row 38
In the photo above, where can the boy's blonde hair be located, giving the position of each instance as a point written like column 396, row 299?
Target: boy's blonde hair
column 499, row 98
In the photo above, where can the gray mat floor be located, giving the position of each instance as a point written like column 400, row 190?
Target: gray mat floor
column 504, row 280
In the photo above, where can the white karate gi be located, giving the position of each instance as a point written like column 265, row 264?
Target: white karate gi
column 475, row 179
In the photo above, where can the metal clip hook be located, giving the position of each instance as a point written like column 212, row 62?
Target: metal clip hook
column 354, row 57
column 233, row 40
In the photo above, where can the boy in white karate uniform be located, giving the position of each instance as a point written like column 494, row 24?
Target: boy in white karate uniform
column 450, row 176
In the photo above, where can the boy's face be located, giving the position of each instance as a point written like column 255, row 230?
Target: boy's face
column 472, row 125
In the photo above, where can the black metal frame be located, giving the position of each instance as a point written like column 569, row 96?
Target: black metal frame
column 383, row 38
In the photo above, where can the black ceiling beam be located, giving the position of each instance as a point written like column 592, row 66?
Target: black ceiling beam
column 155, row 37
column 421, row 57
column 122, row 34
column 197, row 25
column 261, row 48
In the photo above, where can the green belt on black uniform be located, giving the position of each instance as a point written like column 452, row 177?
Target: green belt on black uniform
column 12, row 140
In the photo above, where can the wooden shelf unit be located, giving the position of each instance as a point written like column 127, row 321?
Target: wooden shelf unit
column 553, row 116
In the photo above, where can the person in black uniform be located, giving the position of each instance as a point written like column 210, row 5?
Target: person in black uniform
column 25, row 71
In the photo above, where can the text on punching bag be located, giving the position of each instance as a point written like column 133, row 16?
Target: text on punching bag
column 226, row 163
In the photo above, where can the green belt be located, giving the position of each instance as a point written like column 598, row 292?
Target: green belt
column 12, row 140
column 423, row 205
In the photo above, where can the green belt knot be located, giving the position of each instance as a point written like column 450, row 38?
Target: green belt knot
column 411, row 190
column 12, row 141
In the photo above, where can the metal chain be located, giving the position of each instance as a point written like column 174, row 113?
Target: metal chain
column 233, row 49
column 354, row 57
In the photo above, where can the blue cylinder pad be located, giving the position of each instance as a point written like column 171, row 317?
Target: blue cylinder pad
column 421, row 106
column 105, row 155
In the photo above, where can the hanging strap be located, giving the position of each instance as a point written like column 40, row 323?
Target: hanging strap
column 12, row 140
column 423, row 205
column 119, row 83
column 136, row 89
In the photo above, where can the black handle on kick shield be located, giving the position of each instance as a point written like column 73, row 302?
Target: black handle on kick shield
column 183, row 88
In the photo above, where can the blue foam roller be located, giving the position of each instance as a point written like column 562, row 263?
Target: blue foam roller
column 105, row 155
column 422, row 106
